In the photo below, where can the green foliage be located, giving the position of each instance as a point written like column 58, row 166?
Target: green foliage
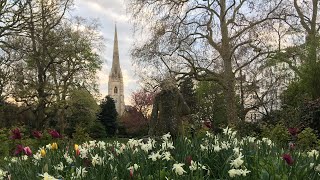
column 310, row 114
column 211, row 103
column 80, row 135
column 97, row 131
column 83, row 110
column 214, row 155
column 278, row 133
column 108, row 115
column 4, row 147
column 307, row 138
column 248, row 129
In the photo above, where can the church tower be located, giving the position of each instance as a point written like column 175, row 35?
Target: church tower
column 115, row 84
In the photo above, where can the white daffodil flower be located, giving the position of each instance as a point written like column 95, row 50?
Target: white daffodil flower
column 234, row 172
column 313, row 153
column 154, row 156
column 46, row 176
column 178, row 169
column 237, row 162
column 166, row 156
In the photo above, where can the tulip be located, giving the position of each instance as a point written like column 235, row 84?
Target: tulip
column 293, row 131
column 54, row 134
column 16, row 134
column 288, row 159
column 43, row 153
column 36, row 134
column 188, row 160
column 76, row 147
column 19, row 149
column 77, row 152
column 27, row 151
column 54, row 146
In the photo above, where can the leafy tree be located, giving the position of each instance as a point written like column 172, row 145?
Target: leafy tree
column 82, row 110
column 108, row 115
column 211, row 103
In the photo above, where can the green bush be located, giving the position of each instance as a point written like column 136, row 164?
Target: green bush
column 98, row 131
column 307, row 138
column 248, row 129
column 80, row 135
column 278, row 134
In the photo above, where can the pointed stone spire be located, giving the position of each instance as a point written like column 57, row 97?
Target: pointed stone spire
column 116, row 70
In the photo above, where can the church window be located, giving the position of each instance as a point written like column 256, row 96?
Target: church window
column 115, row 90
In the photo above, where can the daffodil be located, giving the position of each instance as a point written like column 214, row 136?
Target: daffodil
column 237, row 162
column 178, row 169
column 166, row 156
column 46, row 176
column 154, row 156
column 234, row 172
column 313, row 153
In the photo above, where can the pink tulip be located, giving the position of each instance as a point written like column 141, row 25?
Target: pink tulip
column 27, row 151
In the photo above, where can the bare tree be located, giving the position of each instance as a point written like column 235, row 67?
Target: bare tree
column 203, row 39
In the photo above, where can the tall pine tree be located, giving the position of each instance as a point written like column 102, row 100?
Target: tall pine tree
column 108, row 115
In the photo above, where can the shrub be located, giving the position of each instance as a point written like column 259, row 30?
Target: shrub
column 97, row 131
column 307, row 138
column 278, row 134
column 80, row 135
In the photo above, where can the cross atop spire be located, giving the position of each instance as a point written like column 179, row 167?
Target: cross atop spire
column 116, row 70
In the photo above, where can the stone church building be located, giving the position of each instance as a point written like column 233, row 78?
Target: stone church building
column 115, row 84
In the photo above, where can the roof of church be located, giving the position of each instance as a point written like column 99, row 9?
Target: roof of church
column 116, row 70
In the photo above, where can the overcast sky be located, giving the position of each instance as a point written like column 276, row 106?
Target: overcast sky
column 109, row 12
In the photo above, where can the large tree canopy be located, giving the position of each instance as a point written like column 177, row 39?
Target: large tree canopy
column 208, row 40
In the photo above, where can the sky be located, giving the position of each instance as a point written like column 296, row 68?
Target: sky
column 108, row 13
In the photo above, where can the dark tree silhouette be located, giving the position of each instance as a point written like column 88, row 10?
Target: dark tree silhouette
column 108, row 115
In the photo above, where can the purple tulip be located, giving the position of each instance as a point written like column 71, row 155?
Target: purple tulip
column 54, row 134
column 37, row 134
column 16, row 134
column 19, row 149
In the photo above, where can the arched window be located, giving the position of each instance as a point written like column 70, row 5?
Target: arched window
column 115, row 90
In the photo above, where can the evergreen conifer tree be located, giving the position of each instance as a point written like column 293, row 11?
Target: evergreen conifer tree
column 108, row 115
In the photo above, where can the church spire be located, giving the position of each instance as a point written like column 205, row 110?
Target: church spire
column 115, row 70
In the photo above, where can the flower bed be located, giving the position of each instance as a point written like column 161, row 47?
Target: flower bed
column 213, row 157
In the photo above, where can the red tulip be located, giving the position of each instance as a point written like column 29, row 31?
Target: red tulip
column 77, row 152
column 19, row 149
column 36, row 134
column 27, row 151
column 288, row 159
column 293, row 131
column 188, row 160
column 131, row 172
column 16, row 134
